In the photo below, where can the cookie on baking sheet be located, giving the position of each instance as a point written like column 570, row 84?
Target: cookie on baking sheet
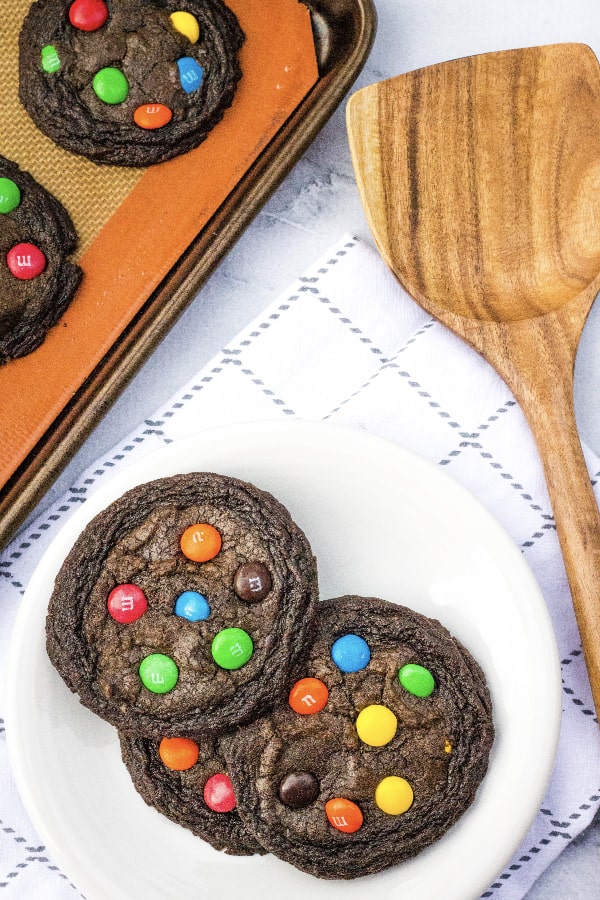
column 186, row 780
column 37, row 279
column 380, row 749
column 184, row 607
column 128, row 83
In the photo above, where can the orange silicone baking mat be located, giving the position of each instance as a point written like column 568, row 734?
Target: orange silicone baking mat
column 154, row 223
column 147, row 237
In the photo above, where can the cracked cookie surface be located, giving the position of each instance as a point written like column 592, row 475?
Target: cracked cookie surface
column 380, row 749
column 161, row 643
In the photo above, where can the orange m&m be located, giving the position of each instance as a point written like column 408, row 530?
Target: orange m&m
column 152, row 115
column 343, row 814
column 200, row 542
column 178, row 753
column 309, row 695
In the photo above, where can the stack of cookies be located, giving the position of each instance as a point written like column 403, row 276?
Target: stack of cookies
column 342, row 735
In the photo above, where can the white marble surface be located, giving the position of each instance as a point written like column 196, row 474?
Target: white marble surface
column 318, row 202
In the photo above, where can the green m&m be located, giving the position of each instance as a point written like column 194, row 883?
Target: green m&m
column 232, row 648
column 417, row 680
column 110, row 85
column 50, row 59
column 158, row 673
column 10, row 195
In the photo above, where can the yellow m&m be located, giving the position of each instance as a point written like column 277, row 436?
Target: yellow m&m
column 187, row 24
column 376, row 725
column 394, row 795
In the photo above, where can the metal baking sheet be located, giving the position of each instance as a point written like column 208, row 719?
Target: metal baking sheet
column 132, row 294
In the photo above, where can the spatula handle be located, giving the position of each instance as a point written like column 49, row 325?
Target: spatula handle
column 547, row 402
column 578, row 528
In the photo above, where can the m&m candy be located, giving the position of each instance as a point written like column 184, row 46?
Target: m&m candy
column 232, row 648
column 158, row 673
column 218, row 793
column 298, row 789
column 394, row 795
column 344, row 815
column 376, row 725
column 252, row 581
column 110, row 85
column 417, row 680
column 50, row 59
column 10, row 195
column 191, row 74
column 200, row 542
column 308, row 695
column 25, row 261
column 187, row 24
column 178, row 753
column 350, row 653
column 126, row 603
column 152, row 115
column 88, row 15
column 193, row 606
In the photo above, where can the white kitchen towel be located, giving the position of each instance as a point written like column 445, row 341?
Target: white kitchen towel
column 346, row 344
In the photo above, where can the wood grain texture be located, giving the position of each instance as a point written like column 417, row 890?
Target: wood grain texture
column 480, row 180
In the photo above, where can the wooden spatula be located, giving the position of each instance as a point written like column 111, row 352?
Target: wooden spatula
column 480, row 180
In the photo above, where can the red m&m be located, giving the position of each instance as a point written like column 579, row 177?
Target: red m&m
column 218, row 793
column 25, row 261
column 126, row 603
column 88, row 15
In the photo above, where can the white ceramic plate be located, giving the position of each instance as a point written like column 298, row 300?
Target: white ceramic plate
column 382, row 522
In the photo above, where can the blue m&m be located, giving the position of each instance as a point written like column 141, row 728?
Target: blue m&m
column 191, row 74
column 193, row 606
column 351, row 653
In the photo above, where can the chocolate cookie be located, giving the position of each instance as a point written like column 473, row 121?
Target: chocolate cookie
column 379, row 750
column 184, row 606
column 37, row 280
column 128, row 83
column 186, row 780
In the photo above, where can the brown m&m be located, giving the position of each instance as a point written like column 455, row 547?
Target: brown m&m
column 298, row 789
column 252, row 582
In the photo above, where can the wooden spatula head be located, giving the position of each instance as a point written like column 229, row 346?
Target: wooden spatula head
column 480, row 179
